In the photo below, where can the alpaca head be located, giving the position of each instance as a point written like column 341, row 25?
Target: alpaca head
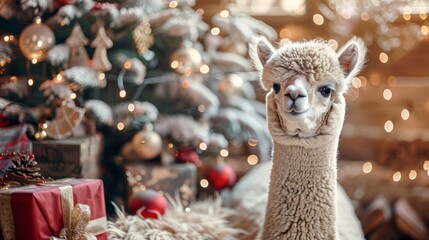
column 306, row 83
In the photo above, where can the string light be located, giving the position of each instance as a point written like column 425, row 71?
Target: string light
column 252, row 142
column 34, row 61
column 387, row 94
column 333, row 43
column 120, row 126
column 59, row 77
column 396, row 176
column 356, row 83
column 252, row 159
column 363, row 81
column 203, row 146
column 412, row 175
column 73, row 96
column 425, row 30
column 122, row 93
column 388, row 126
column 383, row 57
column 201, row 108
column 30, row 82
column 423, row 16
column 426, row 165
column 173, row 4
column 127, row 65
column 204, row 69
column 224, row 153
column 6, row 38
column 185, row 84
column 367, row 167
column 200, row 11
column 131, row 107
column 174, row 64
column 405, row 114
column 224, row 13
column 406, row 16
column 364, row 16
column 318, row 19
column 204, row 183
column 215, row 31
column 170, row 145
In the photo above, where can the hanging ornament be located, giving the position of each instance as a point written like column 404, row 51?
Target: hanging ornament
column 220, row 176
column 147, row 204
column 35, row 41
column 67, row 118
column 102, row 42
column 188, row 155
column 77, row 41
column 147, row 144
column 186, row 60
column 142, row 36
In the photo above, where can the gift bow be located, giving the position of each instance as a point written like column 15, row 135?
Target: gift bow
column 77, row 223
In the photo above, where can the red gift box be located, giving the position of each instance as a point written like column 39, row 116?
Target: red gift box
column 38, row 212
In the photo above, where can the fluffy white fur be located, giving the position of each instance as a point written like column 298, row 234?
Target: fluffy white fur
column 305, row 113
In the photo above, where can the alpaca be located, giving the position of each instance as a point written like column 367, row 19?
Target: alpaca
column 305, row 114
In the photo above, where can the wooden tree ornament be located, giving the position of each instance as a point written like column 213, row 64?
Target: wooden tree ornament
column 102, row 42
column 77, row 42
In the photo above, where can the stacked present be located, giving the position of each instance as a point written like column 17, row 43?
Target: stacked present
column 34, row 207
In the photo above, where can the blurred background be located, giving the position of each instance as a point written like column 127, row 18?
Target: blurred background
column 161, row 95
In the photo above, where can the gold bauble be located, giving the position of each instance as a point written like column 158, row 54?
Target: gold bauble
column 35, row 41
column 147, row 144
column 186, row 60
column 231, row 84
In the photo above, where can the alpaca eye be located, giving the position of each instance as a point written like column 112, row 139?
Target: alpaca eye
column 276, row 87
column 325, row 91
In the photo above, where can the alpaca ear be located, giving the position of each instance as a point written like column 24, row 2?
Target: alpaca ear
column 352, row 58
column 260, row 50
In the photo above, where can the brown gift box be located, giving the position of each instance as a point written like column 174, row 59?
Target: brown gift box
column 77, row 157
column 171, row 179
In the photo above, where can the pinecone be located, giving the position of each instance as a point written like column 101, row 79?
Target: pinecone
column 24, row 170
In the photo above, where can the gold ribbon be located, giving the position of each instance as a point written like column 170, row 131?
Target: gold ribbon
column 76, row 219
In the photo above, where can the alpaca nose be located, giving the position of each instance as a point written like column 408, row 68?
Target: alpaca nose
column 294, row 92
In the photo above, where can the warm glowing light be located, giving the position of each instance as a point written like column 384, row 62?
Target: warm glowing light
column 184, row 84
column 200, row 11
column 224, row 153
column 363, row 81
column 204, row 183
column 412, row 175
column 59, row 77
column 127, row 65
column 364, row 16
column 120, row 126
column 11, row 37
column 201, row 108
column 387, row 94
column 204, row 69
column 383, row 57
column 252, row 142
column 423, row 16
column 30, row 82
column 318, row 19
column 425, row 30
column 131, row 107
column 406, row 16
column 252, row 159
column 6, row 38
column 187, row 209
column 397, row 176
column 356, row 83
column 405, row 114
column 101, row 76
column 39, row 43
column 122, row 93
column 333, row 43
column 173, row 4
column 367, row 167
column 72, row 95
column 224, row 13
column 203, row 146
column 215, row 31
column 285, row 33
column 38, row 20
column 174, row 64
column 426, row 165
column 388, row 126
column 170, row 145
column 34, row 61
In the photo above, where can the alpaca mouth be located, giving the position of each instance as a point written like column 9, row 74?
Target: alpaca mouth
column 295, row 112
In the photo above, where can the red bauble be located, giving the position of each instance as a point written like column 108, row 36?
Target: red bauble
column 60, row 3
column 148, row 204
column 187, row 155
column 220, row 176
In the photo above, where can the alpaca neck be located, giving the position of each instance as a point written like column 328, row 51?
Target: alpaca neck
column 302, row 193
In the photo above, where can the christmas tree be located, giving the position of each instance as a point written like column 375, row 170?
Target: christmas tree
column 160, row 84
